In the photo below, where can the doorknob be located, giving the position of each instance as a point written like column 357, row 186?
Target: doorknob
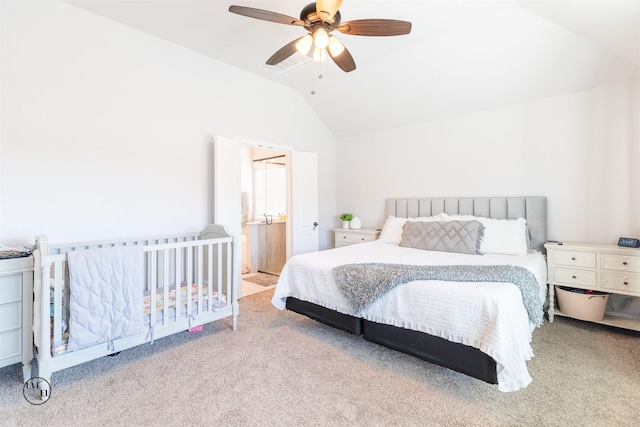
column 315, row 224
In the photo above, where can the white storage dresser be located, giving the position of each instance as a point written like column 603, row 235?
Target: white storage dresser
column 346, row 236
column 605, row 268
column 16, row 296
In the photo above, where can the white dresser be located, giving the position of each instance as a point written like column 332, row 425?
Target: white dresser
column 346, row 236
column 16, row 302
column 606, row 268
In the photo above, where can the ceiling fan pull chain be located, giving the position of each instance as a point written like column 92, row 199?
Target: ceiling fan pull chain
column 313, row 83
column 313, row 74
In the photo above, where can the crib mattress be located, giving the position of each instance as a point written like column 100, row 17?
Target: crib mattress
column 60, row 347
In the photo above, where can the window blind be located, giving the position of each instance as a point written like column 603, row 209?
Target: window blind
column 271, row 189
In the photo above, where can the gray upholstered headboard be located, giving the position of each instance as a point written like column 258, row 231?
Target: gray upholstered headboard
column 533, row 209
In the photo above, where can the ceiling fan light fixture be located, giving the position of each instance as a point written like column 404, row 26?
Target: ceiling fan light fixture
column 321, row 37
column 304, row 44
column 335, row 47
column 319, row 54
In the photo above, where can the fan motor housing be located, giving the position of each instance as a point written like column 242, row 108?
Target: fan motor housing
column 310, row 16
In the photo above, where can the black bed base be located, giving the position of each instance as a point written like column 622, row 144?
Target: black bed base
column 326, row 316
column 455, row 356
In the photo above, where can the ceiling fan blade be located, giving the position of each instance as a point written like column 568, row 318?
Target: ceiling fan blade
column 375, row 27
column 265, row 15
column 284, row 52
column 344, row 60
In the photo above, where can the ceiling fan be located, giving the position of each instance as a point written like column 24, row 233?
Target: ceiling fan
column 320, row 19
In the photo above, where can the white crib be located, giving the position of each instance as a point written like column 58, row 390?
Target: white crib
column 190, row 280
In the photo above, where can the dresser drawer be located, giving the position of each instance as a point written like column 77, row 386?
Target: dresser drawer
column 575, row 259
column 578, row 278
column 629, row 264
column 10, row 344
column 10, row 316
column 10, row 288
column 621, row 282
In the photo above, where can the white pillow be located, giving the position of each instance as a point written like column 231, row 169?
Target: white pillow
column 393, row 226
column 392, row 230
column 501, row 236
column 435, row 218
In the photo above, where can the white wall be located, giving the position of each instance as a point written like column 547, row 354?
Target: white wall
column 106, row 130
column 579, row 150
column 634, row 156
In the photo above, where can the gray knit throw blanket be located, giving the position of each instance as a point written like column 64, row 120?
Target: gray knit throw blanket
column 362, row 284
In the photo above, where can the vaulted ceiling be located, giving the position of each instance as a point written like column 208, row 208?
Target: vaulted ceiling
column 461, row 56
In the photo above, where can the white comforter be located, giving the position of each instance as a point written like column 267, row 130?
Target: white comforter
column 487, row 316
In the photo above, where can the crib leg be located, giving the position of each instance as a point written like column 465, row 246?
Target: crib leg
column 234, row 317
column 44, row 373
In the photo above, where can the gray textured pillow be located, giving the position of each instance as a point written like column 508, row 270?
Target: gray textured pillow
column 451, row 236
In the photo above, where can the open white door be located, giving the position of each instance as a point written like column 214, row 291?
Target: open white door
column 304, row 202
column 227, row 209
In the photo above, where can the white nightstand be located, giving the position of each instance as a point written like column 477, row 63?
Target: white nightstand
column 346, row 236
column 16, row 301
column 606, row 268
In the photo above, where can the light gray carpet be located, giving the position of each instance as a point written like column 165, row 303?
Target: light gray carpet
column 280, row 368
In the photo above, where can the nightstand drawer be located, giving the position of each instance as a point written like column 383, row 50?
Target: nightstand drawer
column 575, row 259
column 576, row 277
column 630, row 264
column 621, row 282
column 345, row 237
column 354, row 238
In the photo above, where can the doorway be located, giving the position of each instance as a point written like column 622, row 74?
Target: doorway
column 227, row 167
column 264, row 197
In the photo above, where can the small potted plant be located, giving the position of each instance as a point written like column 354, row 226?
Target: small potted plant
column 346, row 217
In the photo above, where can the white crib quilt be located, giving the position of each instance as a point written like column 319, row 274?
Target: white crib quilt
column 106, row 295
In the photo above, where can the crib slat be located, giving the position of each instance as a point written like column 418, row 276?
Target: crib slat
column 165, row 285
column 199, row 278
column 220, row 269
column 178, row 283
column 210, row 275
column 232, row 290
column 189, row 278
column 153, row 286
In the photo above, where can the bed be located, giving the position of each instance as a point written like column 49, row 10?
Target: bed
column 93, row 299
column 475, row 323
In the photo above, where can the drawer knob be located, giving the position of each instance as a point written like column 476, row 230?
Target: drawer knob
column 625, row 283
column 624, row 262
column 344, row 237
column 573, row 258
column 574, row 277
